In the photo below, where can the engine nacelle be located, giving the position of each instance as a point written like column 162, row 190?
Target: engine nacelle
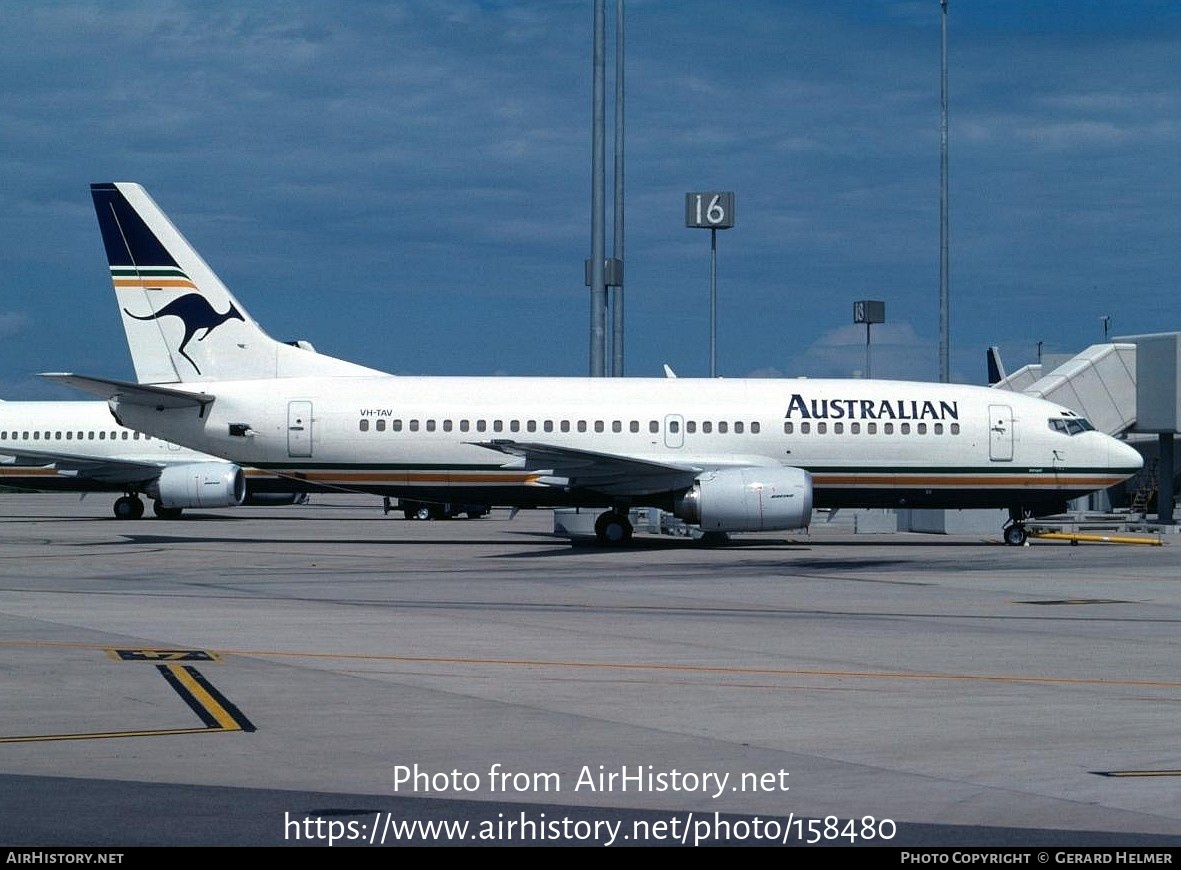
column 748, row 500
column 200, row 485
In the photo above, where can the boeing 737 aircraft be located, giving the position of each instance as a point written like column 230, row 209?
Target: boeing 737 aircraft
column 78, row 447
column 726, row 455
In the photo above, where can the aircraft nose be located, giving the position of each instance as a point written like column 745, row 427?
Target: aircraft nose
column 1126, row 457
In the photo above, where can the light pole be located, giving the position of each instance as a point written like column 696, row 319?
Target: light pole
column 944, row 292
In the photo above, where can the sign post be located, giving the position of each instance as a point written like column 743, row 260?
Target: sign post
column 868, row 312
column 711, row 210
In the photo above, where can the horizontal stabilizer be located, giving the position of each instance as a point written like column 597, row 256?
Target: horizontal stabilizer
column 131, row 394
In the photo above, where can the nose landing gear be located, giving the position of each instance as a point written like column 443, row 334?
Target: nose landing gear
column 1014, row 531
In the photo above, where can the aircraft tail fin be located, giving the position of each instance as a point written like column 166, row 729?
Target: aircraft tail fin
column 182, row 323
column 996, row 369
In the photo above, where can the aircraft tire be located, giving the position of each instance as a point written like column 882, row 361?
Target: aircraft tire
column 613, row 529
column 1015, row 535
column 128, row 507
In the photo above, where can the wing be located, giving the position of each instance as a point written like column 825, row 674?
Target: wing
column 96, row 468
column 608, row 473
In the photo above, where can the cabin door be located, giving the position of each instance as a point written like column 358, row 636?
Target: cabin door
column 299, row 428
column 1000, row 432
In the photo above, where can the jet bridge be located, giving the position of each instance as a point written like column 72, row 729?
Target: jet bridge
column 1099, row 383
column 1129, row 388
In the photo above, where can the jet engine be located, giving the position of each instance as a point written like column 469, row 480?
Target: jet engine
column 748, row 500
column 200, row 485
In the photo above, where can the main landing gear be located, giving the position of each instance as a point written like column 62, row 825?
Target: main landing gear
column 613, row 529
column 1014, row 531
column 128, row 507
column 131, row 507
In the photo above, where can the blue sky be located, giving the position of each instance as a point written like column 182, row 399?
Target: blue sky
column 407, row 184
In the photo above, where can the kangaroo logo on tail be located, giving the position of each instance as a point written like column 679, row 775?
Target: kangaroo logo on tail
column 195, row 312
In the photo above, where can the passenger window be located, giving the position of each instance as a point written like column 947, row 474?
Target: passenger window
column 598, row 425
column 413, row 426
column 922, row 427
column 787, row 427
column 955, row 428
column 565, row 426
column 805, row 427
column 514, row 426
column 548, row 426
column 723, row 428
column 690, row 426
column 938, row 428
column 905, row 428
column 465, row 425
column 616, row 426
column 582, row 425
column 855, row 428
column 674, row 426
column 888, row 428
column 379, row 425
column 396, row 425
column 707, row 427
column 447, row 425
column 821, row 428
column 497, row 425
column 635, row 425
column 481, row 425
column 871, row 428
column 737, row 428
column 754, row 428
column 531, row 426
column 430, row 425
column 653, row 426
column 838, row 428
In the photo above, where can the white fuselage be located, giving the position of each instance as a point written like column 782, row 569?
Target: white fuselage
column 865, row 442
column 63, row 446
column 82, row 429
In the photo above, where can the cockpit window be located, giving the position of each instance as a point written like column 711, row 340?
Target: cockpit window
column 1071, row 425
